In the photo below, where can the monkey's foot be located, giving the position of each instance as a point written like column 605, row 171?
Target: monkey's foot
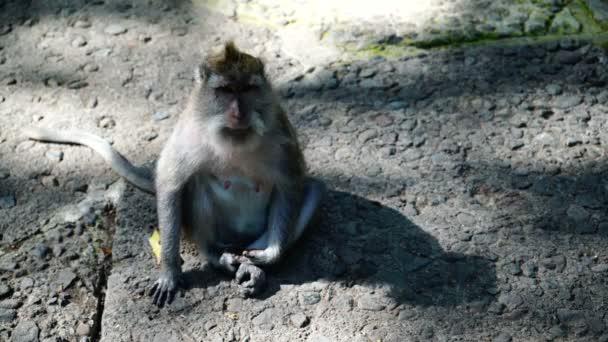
column 164, row 289
column 251, row 279
column 227, row 262
column 262, row 257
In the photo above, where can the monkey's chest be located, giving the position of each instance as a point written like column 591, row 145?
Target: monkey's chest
column 243, row 205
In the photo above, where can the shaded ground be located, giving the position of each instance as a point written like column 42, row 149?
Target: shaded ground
column 469, row 184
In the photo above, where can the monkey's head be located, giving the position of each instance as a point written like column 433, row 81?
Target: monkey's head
column 238, row 98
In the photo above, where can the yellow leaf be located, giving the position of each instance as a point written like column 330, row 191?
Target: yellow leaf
column 154, row 241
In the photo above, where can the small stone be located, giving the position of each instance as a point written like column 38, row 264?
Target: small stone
column 529, row 269
column 159, row 116
column 149, row 136
column 565, row 22
column 570, row 317
column 299, row 320
column 7, row 315
column 367, row 72
column 79, row 42
column 49, row 181
column 90, row 67
column 600, row 268
column 511, row 300
column 10, row 304
column 115, row 29
column 5, row 290
column 384, row 120
column 92, row 102
column 25, row 331
column 367, row 135
column 83, row 329
column 54, row 156
column 77, row 84
column 26, row 283
column 64, row 279
column 7, row 202
column 567, row 101
column 144, row 38
column 512, row 268
column 370, row 303
column 578, row 214
column 568, row 57
column 309, row 297
column 106, row 122
column 553, row 89
column 502, row 337
column 41, row 251
column 557, row 331
column 82, row 23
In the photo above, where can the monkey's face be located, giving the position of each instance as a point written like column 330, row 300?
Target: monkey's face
column 239, row 104
column 239, row 98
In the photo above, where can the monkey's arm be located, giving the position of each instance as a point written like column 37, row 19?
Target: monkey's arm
column 122, row 166
column 175, row 167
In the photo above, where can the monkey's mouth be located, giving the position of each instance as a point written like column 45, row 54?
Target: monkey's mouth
column 239, row 133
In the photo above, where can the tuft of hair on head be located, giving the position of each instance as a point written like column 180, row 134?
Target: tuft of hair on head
column 228, row 60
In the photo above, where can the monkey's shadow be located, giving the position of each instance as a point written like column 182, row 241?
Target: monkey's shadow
column 358, row 241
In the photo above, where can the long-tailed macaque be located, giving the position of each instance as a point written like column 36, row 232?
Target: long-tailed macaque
column 231, row 176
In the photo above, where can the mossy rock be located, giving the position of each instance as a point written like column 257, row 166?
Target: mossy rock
column 565, row 23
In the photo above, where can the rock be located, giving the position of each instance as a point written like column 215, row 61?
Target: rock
column 367, row 135
column 578, row 214
column 565, row 22
column 41, row 251
column 54, row 156
column 106, row 122
column 600, row 268
column 89, row 67
column 82, row 23
column 25, row 331
column 83, row 329
column 536, row 23
column 10, row 304
column 7, row 315
column 511, row 300
column 26, row 283
column 567, row 101
column 79, row 41
column 299, row 320
column 5, row 290
column 502, row 337
column 309, row 297
column 553, row 89
column 77, row 84
column 115, row 29
column 568, row 57
column 159, row 116
column 318, row 338
column 557, row 331
column 570, row 317
column 7, row 202
column 266, row 319
column 599, row 9
column 370, row 303
column 64, row 279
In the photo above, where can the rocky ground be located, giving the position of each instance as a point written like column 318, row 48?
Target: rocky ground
column 464, row 143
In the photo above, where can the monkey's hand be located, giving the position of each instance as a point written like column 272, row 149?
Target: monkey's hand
column 263, row 257
column 251, row 279
column 164, row 289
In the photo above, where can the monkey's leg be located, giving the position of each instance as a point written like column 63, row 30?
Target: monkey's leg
column 268, row 248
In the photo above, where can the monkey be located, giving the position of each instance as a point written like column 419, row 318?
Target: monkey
column 231, row 177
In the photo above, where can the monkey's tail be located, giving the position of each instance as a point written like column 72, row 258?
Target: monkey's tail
column 134, row 175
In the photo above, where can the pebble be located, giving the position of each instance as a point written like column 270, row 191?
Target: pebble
column 115, row 29
column 106, row 122
column 299, row 320
column 26, row 283
column 77, row 84
column 7, row 315
column 64, row 279
column 5, row 290
column 309, row 297
column 25, row 331
column 370, row 303
column 90, row 67
column 502, row 337
column 553, row 89
column 600, row 268
column 81, row 23
column 159, row 116
column 79, row 42
column 54, row 156
column 7, row 202
column 83, row 329
column 41, row 251
column 511, row 300
column 567, row 101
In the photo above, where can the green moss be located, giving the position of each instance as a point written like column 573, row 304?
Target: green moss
column 584, row 15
